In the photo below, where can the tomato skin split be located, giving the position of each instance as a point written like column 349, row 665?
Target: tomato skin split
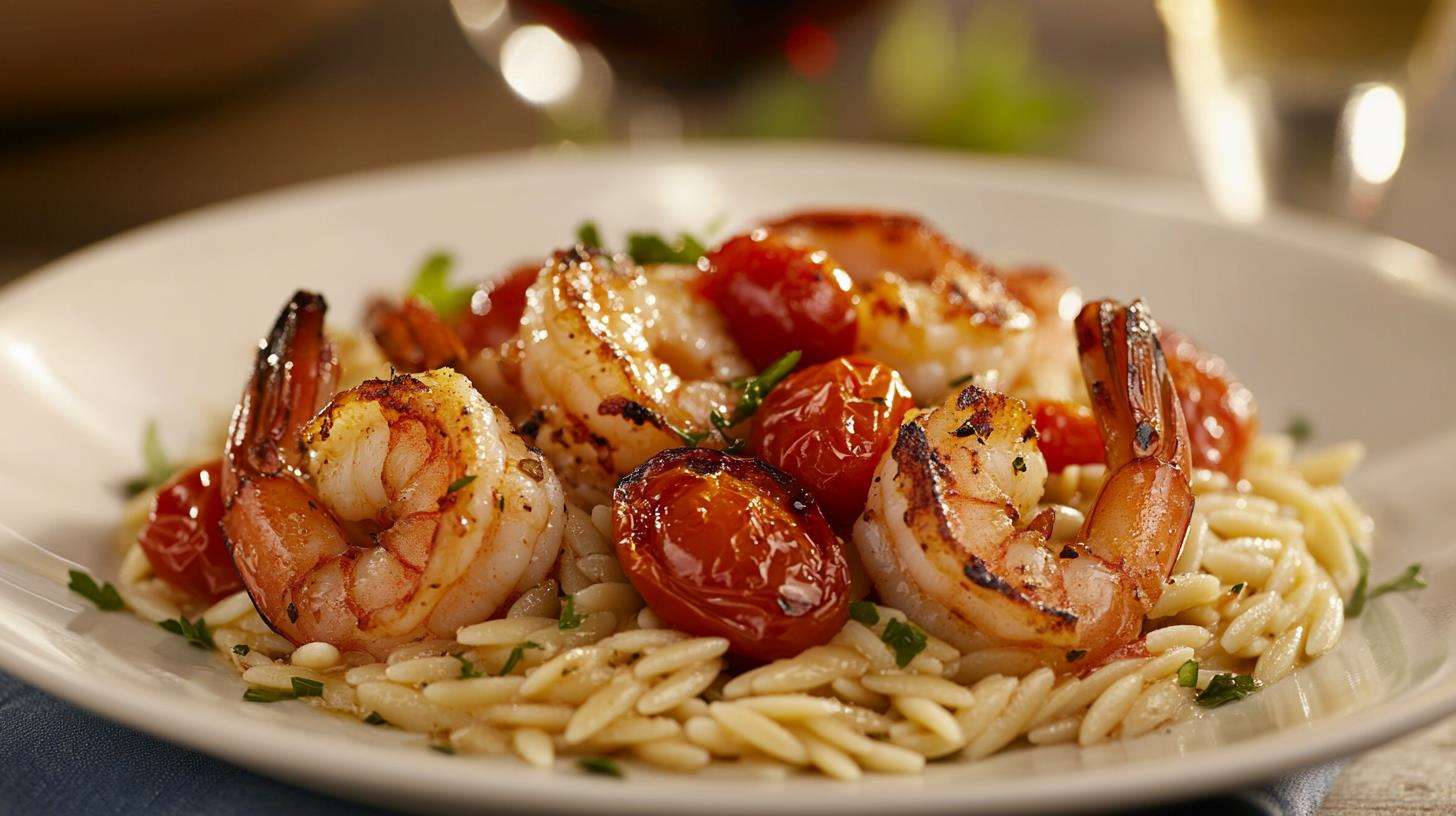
column 183, row 536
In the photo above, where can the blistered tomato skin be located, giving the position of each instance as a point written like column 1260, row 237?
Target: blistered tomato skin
column 183, row 536
column 728, row 546
column 1067, row 434
column 828, row 425
column 1221, row 415
column 495, row 311
column 779, row 297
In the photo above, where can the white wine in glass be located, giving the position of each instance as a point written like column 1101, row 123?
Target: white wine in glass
column 1304, row 102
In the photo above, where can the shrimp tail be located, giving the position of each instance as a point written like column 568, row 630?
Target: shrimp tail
column 414, row 336
column 293, row 376
column 1146, row 444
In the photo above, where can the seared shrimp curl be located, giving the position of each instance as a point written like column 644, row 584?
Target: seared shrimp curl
column 403, row 510
column 618, row 359
column 945, row 535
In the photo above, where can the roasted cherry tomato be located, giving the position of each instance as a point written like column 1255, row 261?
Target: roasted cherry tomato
column 1067, row 434
column 780, row 296
column 828, row 425
column 732, row 547
column 183, row 536
column 1220, row 412
column 495, row 310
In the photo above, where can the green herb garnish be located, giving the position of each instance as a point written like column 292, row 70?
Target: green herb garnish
column 1407, row 581
column 751, row 390
column 864, row 612
column 905, row 639
column 1225, row 688
column 432, row 285
column 1188, row 674
column 304, row 687
column 157, row 467
column 601, row 766
column 1074, row 655
column 375, row 719
column 104, row 596
column 515, row 656
column 442, row 748
column 195, row 632
column 1299, row 429
column 1237, row 588
column 1018, row 464
column 588, row 235
column 241, row 649
column 569, row 618
column 459, row 484
column 962, row 380
column 468, row 669
column 257, row 694
column 652, row 248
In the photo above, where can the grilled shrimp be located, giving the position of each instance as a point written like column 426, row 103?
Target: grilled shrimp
column 402, row 510
column 617, row 360
column 1052, row 371
column 944, row 536
column 928, row 308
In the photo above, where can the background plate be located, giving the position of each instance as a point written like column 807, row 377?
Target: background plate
column 1350, row 330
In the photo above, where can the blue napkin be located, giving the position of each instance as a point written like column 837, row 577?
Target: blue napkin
column 57, row 759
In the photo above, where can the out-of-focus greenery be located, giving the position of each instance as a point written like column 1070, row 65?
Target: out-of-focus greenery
column 980, row 88
column 784, row 107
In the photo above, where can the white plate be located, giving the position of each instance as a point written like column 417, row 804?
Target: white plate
column 1353, row 331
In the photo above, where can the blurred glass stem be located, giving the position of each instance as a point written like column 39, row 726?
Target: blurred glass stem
column 1303, row 102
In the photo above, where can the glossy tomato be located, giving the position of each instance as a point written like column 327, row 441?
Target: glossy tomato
column 828, row 425
column 495, row 311
column 1067, row 434
column 732, row 547
column 183, row 537
column 779, row 296
column 1220, row 412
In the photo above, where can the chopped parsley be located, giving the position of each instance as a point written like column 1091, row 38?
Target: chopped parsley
column 1225, row 688
column 569, row 618
column 864, row 612
column 1410, row 579
column 1405, row 582
column 1018, row 464
column 432, row 285
column 905, row 639
column 690, row 439
column 515, row 656
column 1237, row 588
column 242, row 649
column 375, row 719
column 442, row 748
column 751, row 392
column 468, row 668
column 588, row 235
column 104, row 596
column 459, row 484
column 1358, row 597
column 157, row 467
column 602, row 766
column 196, row 632
column 1076, row 654
column 1299, row 429
column 962, row 380
column 1188, row 674
column 652, row 248
column 304, row 687
column 256, row 694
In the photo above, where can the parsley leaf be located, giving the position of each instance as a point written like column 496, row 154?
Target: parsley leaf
column 432, row 285
column 1299, row 428
column 459, row 484
column 242, row 649
column 1225, row 688
column 569, row 618
column 304, row 687
column 589, row 236
column 652, row 248
column 1405, row 582
column 515, row 656
column 1073, row 655
column 1018, row 464
column 157, row 467
column 1237, row 588
column 104, row 596
column 196, row 632
column 751, row 390
column 601, row 766
column 905, row 639
column 257, row 694
column 864, row 612
column 375, row 719
column 1188, row 674
column 467, row 667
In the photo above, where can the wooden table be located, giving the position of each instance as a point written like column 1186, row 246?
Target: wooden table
column 400, row 85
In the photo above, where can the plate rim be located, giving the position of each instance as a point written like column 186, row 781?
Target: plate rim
column 187, row 722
